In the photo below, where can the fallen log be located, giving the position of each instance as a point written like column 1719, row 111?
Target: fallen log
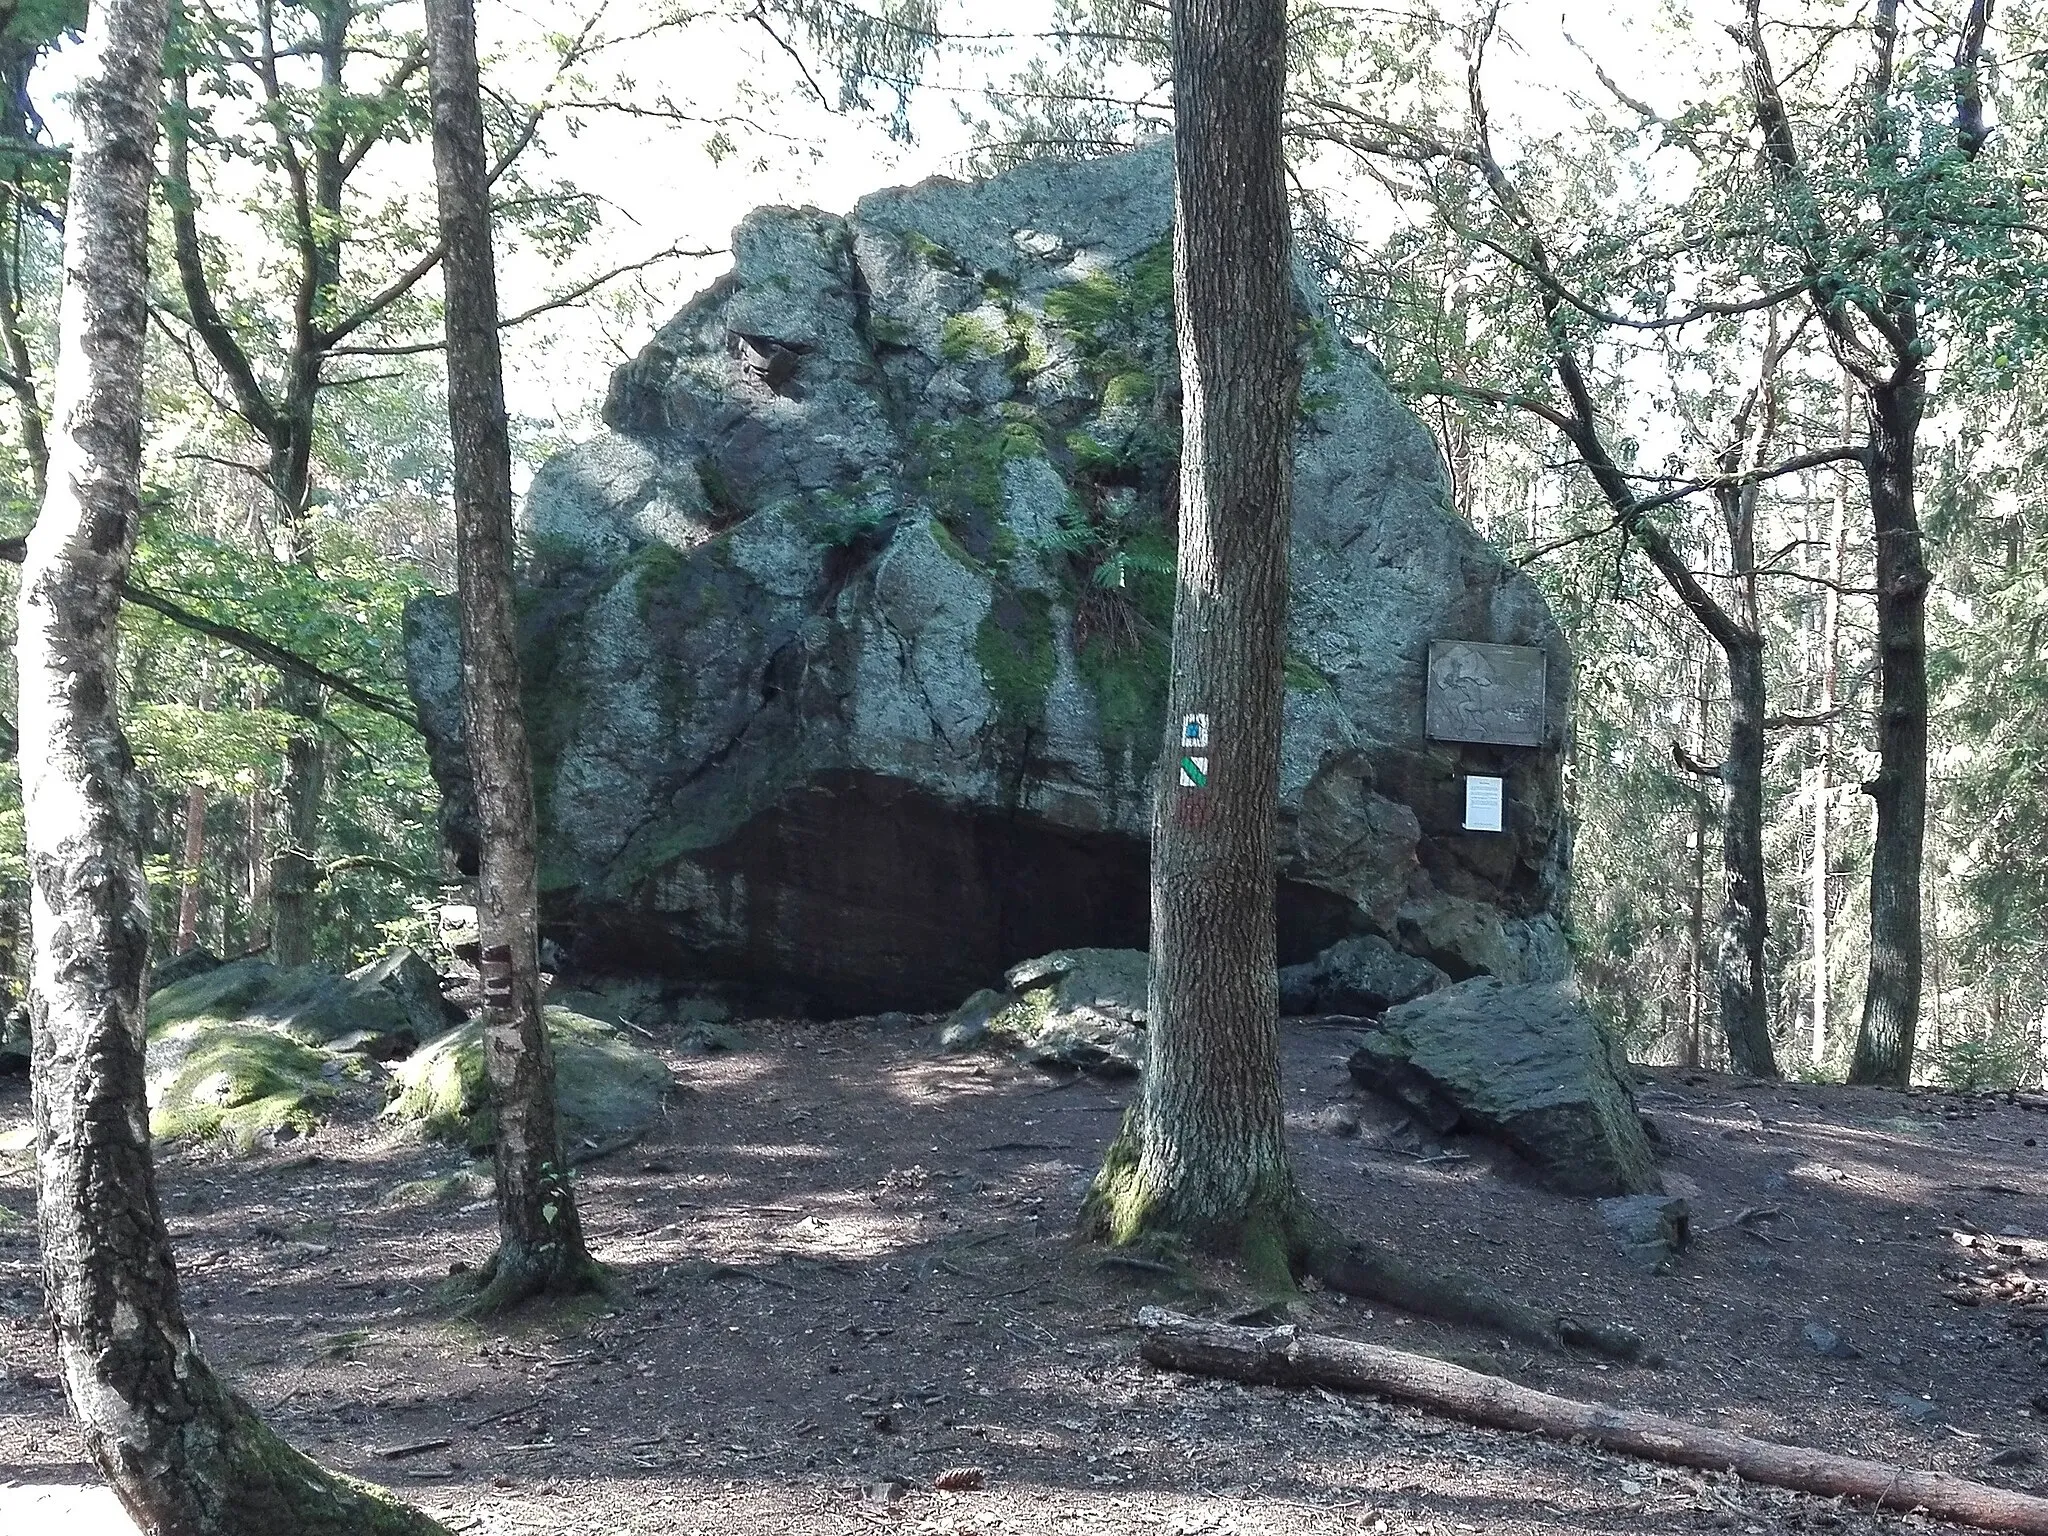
column 1286, row 1356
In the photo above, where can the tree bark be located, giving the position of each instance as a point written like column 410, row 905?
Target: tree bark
column 540, row 1237
column 1818, row 916
column 1696, row 910
column 1288, row 1357
column 1202, row 1156
column 1745, row 1017
column 195, row 851
column 184, row 1454
column 1891, row 997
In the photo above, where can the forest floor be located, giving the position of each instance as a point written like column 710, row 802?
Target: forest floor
column 844, row 1266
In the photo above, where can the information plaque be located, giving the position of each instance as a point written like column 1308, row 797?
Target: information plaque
column 1489, row 693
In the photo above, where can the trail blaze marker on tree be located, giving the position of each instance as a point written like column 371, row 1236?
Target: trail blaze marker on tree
column 1194, row 733
column 1194, row 773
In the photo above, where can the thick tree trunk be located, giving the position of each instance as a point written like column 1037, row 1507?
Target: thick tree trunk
column 540, row 1237
column 1203, row 1155
column 195, row 851
column 1891, row 999
column 1745, row 1017
column 185, row 1456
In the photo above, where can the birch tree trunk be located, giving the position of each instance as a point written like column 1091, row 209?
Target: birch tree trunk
column 183, row 1453
column 1202, row 1156
column 540, row 1236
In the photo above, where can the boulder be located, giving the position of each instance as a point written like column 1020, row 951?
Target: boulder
column 196, row 961
column 414, row 984
column 308, row 1004
column 1082, row 1008
column 1526, row 1064
column 240, row 1082
column 1651, row 1230
column 845, row 643
column 605, row 1086
column 1363, row 975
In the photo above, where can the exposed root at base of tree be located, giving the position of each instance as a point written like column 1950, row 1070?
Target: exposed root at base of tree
column 1286, row 1356
column 229, row 1474
column 1282, row 1238
column 529, row 1274
column 1362, row 1269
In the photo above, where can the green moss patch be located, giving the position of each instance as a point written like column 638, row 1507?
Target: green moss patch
column 1014, row 645
column 237, row 1082
column 1129, row 685
column 963, row 338
column 605, row 1086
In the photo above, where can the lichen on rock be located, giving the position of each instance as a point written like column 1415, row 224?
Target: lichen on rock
column 847, row 639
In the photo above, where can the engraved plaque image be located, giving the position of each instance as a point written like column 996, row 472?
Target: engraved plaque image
column 1489, row 693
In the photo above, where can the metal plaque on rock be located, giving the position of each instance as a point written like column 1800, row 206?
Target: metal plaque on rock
column 1490, row 693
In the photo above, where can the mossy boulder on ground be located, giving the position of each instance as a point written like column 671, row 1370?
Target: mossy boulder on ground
column 605, row 1086
column 1080, row 1008
column 238, row 1081
column 383, row 1010
column 1528, row 1065
column 249, row 1051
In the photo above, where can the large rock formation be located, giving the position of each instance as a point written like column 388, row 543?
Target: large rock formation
column 845, row 642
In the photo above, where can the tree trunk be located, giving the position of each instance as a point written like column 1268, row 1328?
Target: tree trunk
column 257, row 934
column 540, row 1237
column 1202, row 1156
column 195, row 851
column 1696, row 915
column 1745, row 1017
column 1891, row 998
column 185, row 1455
column 294, row 873
column 1824, row 756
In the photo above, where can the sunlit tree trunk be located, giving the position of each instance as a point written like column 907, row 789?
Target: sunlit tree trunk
column 195, row 852
column 1203, row 1155
column 540, row 1237
column 185, row 1455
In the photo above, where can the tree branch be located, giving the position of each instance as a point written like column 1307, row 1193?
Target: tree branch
column 14, row 551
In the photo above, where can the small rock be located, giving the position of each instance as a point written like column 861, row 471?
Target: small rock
column 883, row 1494
column 2015, row 1456
column 968, row 1029
column 1917, row 1409
column 1337, row 1120
column 1826, row 1341
column 1651, row 1229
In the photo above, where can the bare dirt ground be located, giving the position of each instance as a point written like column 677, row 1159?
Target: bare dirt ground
column 844, row 1267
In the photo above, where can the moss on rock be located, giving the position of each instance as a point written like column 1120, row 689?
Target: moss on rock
column 237, row 1082
column 1014, row 645
column 605, row 1086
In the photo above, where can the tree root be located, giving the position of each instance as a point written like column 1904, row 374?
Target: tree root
column 1283, row 1238
column 508, row 1282
column 1361, row 1269
column 1288, row 1357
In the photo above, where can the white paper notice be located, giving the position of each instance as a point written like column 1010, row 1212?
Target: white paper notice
column 1482, row 804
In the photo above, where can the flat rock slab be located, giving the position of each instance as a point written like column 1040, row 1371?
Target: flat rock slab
column 1528, row 1065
